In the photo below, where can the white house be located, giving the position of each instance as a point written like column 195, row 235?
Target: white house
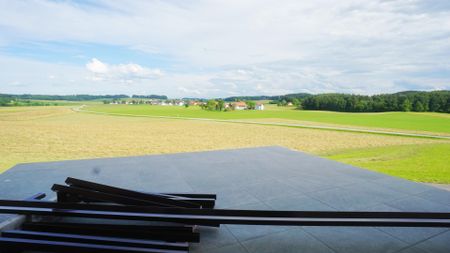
column 259, row 106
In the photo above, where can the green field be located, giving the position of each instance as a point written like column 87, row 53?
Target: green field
column 425, row 163
column 422, row 122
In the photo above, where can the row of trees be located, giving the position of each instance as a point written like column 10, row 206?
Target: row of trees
column 24, row 99
column 435, row 101
column 6, row 100
column 213, row 105
column 81, row 97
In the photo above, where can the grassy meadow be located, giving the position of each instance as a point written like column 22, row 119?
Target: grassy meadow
column 33, row 134
column 409, row 121
column 425, row 163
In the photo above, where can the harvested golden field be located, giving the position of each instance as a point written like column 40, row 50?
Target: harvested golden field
column 58, row 133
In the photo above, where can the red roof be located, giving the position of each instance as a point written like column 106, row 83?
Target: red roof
column 239, row 104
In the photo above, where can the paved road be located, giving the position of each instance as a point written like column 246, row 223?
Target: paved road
column 333, row 128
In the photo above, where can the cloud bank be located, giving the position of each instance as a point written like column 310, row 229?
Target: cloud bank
column 217, row 48
column 122, row 72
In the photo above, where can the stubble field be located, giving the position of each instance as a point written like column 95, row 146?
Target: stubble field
column 32, row 134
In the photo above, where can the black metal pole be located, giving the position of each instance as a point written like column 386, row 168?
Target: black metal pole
column 247, row 217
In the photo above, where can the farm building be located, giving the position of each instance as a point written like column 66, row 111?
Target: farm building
column 259, row 106
column 239, row 105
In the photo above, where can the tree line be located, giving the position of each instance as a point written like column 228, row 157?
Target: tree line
column 287, row 97
column 418, row 101
column 24, row 99
column 248, row 98
column 150, row 96
column 80, row 97
column 6, row 100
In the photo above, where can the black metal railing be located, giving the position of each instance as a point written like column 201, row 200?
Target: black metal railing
column 162, row 222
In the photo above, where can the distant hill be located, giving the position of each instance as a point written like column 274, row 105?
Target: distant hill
column 243, row 98
column 298, row 95
column 80, row 97
column 277, row 97
column 194, row 99
column 150, row 96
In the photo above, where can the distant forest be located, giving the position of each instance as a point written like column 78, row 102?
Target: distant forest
column 273, row 98
column 81, row 97
column 164, row 97
column 418, row 101
column 6, row 99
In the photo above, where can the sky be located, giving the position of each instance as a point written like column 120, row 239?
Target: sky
column 210, row 48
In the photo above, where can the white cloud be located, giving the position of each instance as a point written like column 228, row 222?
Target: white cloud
column 97, row 67
column 250, row 47
column 121, row 72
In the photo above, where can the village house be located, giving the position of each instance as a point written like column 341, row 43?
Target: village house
column 259, row 106
column 239, row 105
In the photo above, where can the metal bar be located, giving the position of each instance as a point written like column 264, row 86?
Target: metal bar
column 288, row 219
column 37, row 196
column 90, row 225
column 164, row 233
column 106, row 197
column 95, row 207
column 158, row 198
column 17, row 244
column 192, row 195
column 120, row 199
column 222, row 212
column 65, row 237
column 65, row 196
column 203, row 202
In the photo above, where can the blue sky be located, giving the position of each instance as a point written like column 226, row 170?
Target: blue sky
column 223, row 48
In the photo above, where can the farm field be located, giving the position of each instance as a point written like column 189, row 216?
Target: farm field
column 427, row 163
column 32, row 134
column 409, row 121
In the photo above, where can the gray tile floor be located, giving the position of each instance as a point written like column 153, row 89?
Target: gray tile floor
column 261, row 178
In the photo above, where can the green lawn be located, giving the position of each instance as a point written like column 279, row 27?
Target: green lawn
column 424, row 163
column 429, row 122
